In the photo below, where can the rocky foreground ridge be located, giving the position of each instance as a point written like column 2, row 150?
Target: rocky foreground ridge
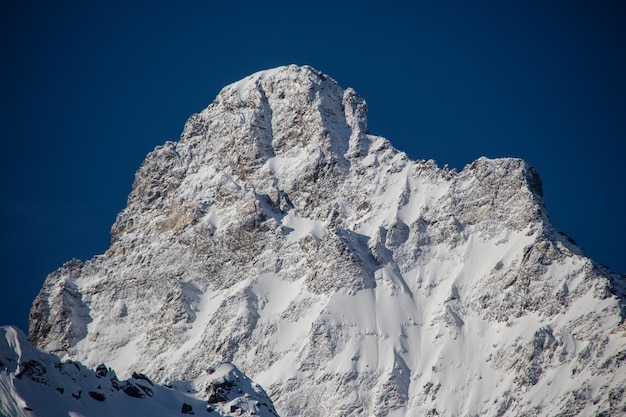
column 37, row 384
column 343, row 276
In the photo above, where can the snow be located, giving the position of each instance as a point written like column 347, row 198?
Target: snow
column 50, row 388
column 274, row 295
column 280, row 371
column 209, row 303
column 298, row 227
column 244, row 85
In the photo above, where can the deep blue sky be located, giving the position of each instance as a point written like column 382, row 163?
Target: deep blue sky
column 88, row 90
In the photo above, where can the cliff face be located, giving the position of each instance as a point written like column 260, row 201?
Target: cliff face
column 341, row 275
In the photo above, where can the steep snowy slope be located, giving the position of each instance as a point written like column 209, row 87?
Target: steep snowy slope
column 344, row 277
column 33, row 383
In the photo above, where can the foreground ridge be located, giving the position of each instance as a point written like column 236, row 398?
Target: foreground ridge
column 33, row 383
column 340, row 274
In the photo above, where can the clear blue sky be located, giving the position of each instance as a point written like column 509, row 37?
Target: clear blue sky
column 88, row 89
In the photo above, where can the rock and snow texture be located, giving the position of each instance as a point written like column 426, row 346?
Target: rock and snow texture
column 36, row 384
column 344, row 277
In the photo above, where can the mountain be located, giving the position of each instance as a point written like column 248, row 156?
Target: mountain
column 344, row 277
column 33, row 383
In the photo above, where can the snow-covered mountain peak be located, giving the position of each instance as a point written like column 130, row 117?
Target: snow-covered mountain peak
column 282, row 113
column 301, row 88
column 343, row 276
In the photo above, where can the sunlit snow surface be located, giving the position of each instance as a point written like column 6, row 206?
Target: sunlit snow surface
column 345, row 278
column 33, row 383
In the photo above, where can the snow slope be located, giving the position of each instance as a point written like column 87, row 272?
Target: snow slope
column 33, row 383
column 344, row 277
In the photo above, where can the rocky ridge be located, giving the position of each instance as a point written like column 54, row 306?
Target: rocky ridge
column 343, row 276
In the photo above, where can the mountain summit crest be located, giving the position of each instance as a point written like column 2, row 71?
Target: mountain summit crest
column 280, row 111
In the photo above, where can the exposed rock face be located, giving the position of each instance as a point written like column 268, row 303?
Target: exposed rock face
column 340, row 274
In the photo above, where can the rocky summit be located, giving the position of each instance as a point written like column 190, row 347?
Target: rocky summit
column 344, row 277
